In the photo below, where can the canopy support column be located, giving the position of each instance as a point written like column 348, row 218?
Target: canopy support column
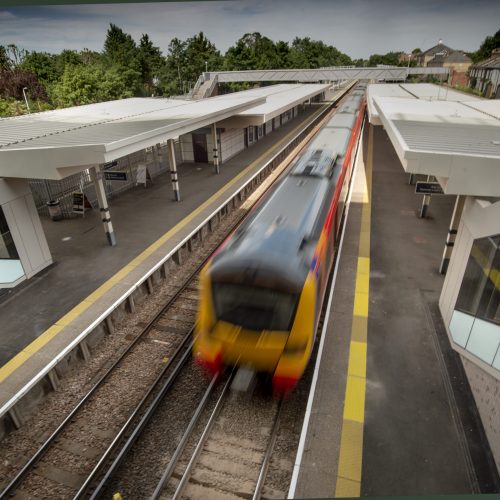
column 215, row 148
column 96, row 175
column 173, row 169
column 452, row 233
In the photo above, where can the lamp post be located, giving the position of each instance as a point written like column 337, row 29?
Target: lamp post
column 206, row 66
column 26, row 99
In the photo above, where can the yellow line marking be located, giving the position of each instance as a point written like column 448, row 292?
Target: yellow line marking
column 360, row 304
column 352, row 446
column 12, row 365
column 347, row 488
column 348, row 481
column 354, row 404
column 357, row 359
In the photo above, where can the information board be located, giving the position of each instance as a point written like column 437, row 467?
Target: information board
column 78, row 202
column 422, row 187
column 115, row 175
column 142, row 175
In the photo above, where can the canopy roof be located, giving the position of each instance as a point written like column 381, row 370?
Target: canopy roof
column 457, row 142
column 55, row 144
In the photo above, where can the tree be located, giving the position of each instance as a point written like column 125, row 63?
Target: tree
column 200, row 50
column 186, row 60
column 486, row 48
column 151, row 61
column 254, row 51
column 120, row 51
column 416, row 51
column 171, row 75
column 4, row 58
column 389, row 59
column 43, row 65
column 88, row 84
column 12, row 82
column 307, row 53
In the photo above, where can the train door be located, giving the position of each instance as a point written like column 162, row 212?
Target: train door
column 200, row 152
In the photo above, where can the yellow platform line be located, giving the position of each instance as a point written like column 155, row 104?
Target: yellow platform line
column 348, row 481
column 20, row 358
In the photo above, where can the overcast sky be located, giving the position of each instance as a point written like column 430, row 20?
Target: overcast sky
column 357, row 27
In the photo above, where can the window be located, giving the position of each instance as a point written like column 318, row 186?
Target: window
column 254, row 308
column 475, row 323
column 7, row 246
column 250, row 135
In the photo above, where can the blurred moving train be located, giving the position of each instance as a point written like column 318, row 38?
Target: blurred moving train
column 261, row 293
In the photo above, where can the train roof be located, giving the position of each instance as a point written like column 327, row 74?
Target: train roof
column 274, row 238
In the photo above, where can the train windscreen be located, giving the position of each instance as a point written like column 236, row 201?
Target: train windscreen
column 254, row 308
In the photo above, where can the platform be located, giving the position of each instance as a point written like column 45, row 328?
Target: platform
column 392, row 412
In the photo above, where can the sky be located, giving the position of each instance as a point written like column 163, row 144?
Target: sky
column 358, row 28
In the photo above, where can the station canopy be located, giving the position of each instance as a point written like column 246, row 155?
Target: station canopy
column 278, row 99
column 55, row 144
column 455, row 140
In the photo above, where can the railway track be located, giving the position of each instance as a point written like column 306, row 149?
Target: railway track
column 77, row 454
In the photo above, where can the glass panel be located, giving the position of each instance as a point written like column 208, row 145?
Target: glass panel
column 489, row 305
column 476, row 275
column 254, row 308
column 7, row 246
column 460, row 327
column 484, row 340
column 496, row 361
column 10, row 270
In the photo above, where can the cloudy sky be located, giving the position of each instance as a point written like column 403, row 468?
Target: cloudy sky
column 356, row 27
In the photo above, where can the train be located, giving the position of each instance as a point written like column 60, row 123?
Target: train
column 261, row 293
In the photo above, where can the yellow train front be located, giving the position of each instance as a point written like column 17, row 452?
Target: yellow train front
column 262, row 292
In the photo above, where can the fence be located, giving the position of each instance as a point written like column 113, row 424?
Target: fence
column 155, row 158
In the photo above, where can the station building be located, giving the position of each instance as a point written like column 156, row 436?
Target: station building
column 454, row 139
column 98, row 151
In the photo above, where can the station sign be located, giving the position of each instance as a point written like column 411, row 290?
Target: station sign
column 422, row 187
column 110, row 164
column 115, row 175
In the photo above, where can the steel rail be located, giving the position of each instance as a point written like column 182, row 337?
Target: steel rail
column 86, row 487
column 267, row 458
column 201, row 442
column 169, row 470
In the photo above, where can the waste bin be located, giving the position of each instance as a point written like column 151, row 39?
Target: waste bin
column 55, row 211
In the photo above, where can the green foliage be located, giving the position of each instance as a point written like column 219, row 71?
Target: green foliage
column 151, row 61
column 307, row 53
column 468, row 90
column 254, row 51
column 185, row 62
column 416, row 51
column 13, row 81
column 486, row 48
column 43, row 65
column 88, row 84
column 389, row 59
column 121, row 53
